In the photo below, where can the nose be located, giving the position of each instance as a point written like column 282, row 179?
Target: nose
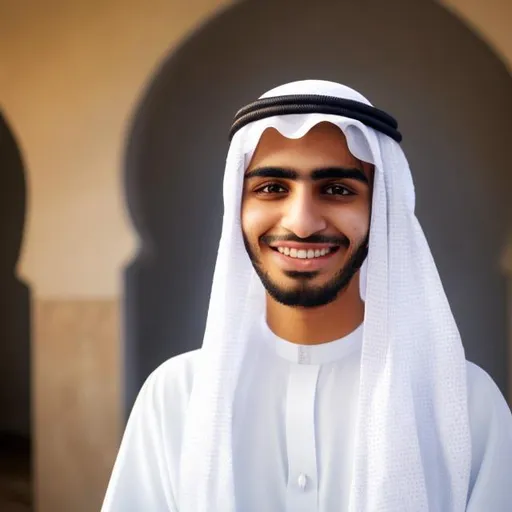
column 302, row 215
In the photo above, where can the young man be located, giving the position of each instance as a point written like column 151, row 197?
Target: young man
column 332, row 376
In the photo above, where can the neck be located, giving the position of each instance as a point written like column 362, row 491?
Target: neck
column 313, row 326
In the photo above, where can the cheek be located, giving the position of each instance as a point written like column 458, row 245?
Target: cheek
column 257, row 218
column 353, row 221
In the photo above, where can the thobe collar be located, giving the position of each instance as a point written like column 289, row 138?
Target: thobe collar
column 314, row 354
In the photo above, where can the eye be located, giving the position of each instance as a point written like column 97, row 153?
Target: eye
column 271, row 188
column 338, row 190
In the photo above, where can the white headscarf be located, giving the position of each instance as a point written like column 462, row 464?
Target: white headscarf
column 413, row 441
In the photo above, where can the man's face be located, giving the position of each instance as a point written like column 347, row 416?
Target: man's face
column 306, row 214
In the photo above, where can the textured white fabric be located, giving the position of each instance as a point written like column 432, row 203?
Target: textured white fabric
column 295, row 414
column 412, row 426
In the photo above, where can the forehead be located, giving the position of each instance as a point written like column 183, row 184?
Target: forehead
column 324, row 145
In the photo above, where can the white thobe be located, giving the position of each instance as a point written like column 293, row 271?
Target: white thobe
column 293, row 433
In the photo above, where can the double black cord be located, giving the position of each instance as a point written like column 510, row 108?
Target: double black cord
column 316, row 104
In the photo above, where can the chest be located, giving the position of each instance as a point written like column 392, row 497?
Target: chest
column 294, row 432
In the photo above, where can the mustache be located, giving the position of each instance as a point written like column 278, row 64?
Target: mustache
column 342, row 241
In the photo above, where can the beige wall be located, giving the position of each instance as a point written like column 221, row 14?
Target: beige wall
column 71, row 73
column 76, row 402
column 70, row 76
column 491, row 19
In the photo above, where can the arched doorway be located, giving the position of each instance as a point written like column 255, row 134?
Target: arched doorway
column 450, row 92
column 15, row 381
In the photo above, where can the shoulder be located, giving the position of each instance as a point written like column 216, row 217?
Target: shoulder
column 146, row 471
column 170, row 384
column 176, row 371
column 490, row 423
column 490, row 419
column 483, row 393
column 486, row 403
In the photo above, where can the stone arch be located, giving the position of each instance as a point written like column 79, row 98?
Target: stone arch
column 15, row 328
column 450, row 92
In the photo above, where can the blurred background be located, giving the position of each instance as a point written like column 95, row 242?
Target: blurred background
column 113, row 133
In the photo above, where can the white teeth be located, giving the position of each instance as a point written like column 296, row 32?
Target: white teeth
column 303, row 253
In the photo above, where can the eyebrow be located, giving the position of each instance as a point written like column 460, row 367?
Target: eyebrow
column 352, row 173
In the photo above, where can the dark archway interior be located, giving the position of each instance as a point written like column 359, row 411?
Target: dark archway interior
column 15, row 380
column 452, row 97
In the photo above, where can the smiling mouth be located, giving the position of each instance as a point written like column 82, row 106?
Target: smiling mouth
column 306, row 254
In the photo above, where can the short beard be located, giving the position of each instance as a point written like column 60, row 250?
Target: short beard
column 304, row 296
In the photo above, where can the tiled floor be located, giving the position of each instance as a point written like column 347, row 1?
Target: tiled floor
column 15, row 478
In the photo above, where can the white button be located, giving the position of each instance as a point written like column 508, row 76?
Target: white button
column 302, row 481
column 304, row 355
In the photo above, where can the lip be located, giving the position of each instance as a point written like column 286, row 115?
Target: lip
column 299, row 264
